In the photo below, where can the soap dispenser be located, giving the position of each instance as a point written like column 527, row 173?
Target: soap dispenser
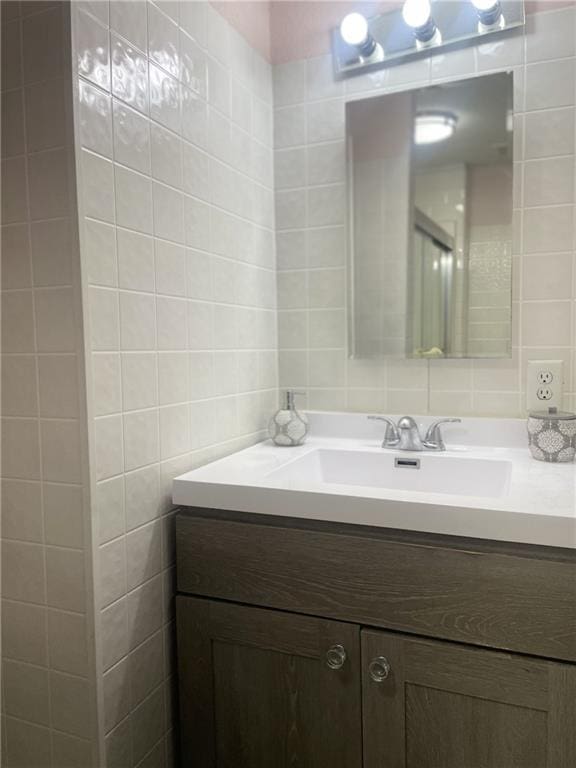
column 288, row 426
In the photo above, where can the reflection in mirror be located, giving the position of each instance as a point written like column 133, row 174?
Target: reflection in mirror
column 430, row 196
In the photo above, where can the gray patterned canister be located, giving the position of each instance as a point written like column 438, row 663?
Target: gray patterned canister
column 552, row 435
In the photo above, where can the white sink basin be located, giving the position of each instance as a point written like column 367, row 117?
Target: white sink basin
column 421, row 472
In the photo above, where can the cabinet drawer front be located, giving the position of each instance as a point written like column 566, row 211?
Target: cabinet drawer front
column 495, row 599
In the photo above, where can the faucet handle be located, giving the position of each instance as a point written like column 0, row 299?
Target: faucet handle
column 391, row 436
column 434, row 438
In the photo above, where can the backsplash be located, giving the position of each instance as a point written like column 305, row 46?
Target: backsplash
column 310, row 169
column 175, row 174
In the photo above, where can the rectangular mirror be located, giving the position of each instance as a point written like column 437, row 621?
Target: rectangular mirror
column 430, row 219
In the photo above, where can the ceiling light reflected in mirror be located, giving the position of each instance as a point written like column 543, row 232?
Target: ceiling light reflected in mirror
column 432, row 127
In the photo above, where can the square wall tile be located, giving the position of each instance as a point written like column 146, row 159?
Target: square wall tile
column 143, row 554
column 129, row 74
column 14, row 199
column 107, row 390
column 15, row 255
column 112, row 584
column 548, row 230
column 100, row 249
column 109, row 446
column 549, row 133
column 131, row 137
column 550, row 84
column 137, row 321
column 19, row 391
column 166, row 150
column 135, row 261
column 64, row 515
column 24, row 633
column 139, row 375
column 163, row 43
column 45, row 115
column 76, row 720
column 31, row 744
column 65, row 579
column 164, row 99
column 48, row 184
column 20, row 449
column 26, row 692
column 97, row 184
column 55, row 320
column 104, row 319
column 141, row 439
column 51, row 252
column 142, row 496
column 22, row 510
column 170, row 265
column 114, row 637
column 17, row 322
column 109, row 506
column 43, row 45
column 128, row 18
column 93, row 51
column 67, row 642
column 58, row 379
column 133, row 200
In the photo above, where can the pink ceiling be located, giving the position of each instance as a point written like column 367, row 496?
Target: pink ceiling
column 285, row 30
column 252, row 19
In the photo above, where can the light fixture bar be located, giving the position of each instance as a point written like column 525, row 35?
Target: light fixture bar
column 420, row 28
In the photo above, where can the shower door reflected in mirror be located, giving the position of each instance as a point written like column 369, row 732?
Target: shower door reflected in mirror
column 430, row 196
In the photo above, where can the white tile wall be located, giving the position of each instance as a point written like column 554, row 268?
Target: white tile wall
column 47, row 626
column 174, row 112
column 311, row 221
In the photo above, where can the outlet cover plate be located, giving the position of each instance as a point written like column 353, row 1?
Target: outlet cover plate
column 544, row 385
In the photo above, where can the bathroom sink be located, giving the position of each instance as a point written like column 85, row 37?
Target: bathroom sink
column 422, row 472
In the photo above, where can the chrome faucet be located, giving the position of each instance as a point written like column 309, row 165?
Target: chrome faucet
column 409, row 433
column 405, row 436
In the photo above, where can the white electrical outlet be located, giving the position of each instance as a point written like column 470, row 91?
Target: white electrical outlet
column 544, row 385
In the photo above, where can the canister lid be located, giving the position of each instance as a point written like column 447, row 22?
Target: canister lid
column 552, row 413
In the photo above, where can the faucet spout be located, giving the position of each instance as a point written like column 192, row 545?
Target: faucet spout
column 409, row 435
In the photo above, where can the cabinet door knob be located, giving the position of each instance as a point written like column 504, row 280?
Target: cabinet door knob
column 335, row 657
column 379, row 669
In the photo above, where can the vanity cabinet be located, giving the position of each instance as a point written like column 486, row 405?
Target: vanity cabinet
column 321, row 646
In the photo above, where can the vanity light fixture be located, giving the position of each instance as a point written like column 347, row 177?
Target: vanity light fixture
column 418, row 15
column 417, row 29
column 431, row 127
column 355, row 33
column 489, row 12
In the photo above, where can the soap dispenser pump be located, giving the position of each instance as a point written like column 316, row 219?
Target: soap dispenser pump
column 288, row 426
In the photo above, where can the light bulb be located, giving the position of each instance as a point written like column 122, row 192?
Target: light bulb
column 416, row 13
column 354, row 29
column 484, row 5
column 489, row 11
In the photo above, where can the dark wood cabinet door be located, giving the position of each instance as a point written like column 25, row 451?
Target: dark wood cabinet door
column 441, row 705
column 257, row 691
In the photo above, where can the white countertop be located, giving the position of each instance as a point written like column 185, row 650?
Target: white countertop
column 539, row 506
